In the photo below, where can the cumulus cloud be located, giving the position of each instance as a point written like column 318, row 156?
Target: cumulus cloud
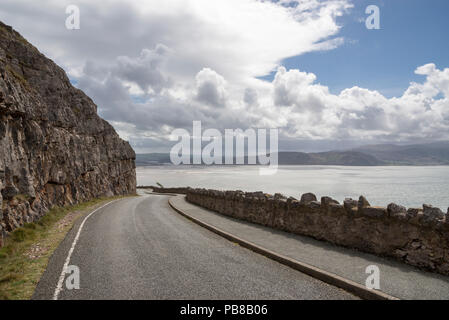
column 152, row 66
column 145, row 70
column 251, row 97
column 211, row 88
column 358, row 113
column 296, row 88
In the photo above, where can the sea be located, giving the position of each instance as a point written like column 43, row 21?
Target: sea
column 410, row 186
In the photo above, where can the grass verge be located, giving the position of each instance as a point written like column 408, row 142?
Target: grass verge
column 27, row 251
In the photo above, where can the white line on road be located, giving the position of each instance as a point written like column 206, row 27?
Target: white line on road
column 67, row 260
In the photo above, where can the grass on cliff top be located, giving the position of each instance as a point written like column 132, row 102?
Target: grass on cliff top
column 27, row 251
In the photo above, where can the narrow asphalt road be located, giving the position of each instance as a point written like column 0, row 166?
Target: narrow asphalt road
column 139, row 248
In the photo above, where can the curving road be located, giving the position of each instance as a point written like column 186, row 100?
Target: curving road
column 139, row 248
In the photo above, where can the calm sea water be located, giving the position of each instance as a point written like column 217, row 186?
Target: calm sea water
column 408, row 186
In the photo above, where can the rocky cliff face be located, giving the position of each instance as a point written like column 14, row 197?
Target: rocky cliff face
column 54, row 148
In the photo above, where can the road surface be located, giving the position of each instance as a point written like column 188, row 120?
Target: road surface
column 139, row 248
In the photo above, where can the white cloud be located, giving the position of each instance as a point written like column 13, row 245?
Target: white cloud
column 250, row 97
column 156, row 65
column 211, row 88
column 239, row 39
column 145, row 71
column 358, row 113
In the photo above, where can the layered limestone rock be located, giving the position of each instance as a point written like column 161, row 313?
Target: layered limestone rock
column 54, row 148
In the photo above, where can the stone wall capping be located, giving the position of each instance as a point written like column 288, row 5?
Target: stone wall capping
column 291, row 199
column 432, row 213
column 314, row 205
column 349, row 205
column 327, row 201
column 363, row 203
column 307, row 198
column 397, row 211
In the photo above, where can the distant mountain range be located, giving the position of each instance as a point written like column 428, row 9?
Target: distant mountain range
column 373, row 155
column 340, row 158
column 152, row 159
column 335, row 158
column 436, row 153
column 343, row 158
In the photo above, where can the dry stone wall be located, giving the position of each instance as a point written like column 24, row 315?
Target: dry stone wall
column 419, row 237
column 178, row 190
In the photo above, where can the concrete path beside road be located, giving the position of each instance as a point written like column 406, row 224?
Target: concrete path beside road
column 396, row 279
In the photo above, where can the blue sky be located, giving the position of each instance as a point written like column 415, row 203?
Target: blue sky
column 153, row 66
column 413, row 33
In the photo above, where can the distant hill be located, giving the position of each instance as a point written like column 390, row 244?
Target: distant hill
column 436, row 153
column 343, row 158
column 335, row 158
column 152, row 159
